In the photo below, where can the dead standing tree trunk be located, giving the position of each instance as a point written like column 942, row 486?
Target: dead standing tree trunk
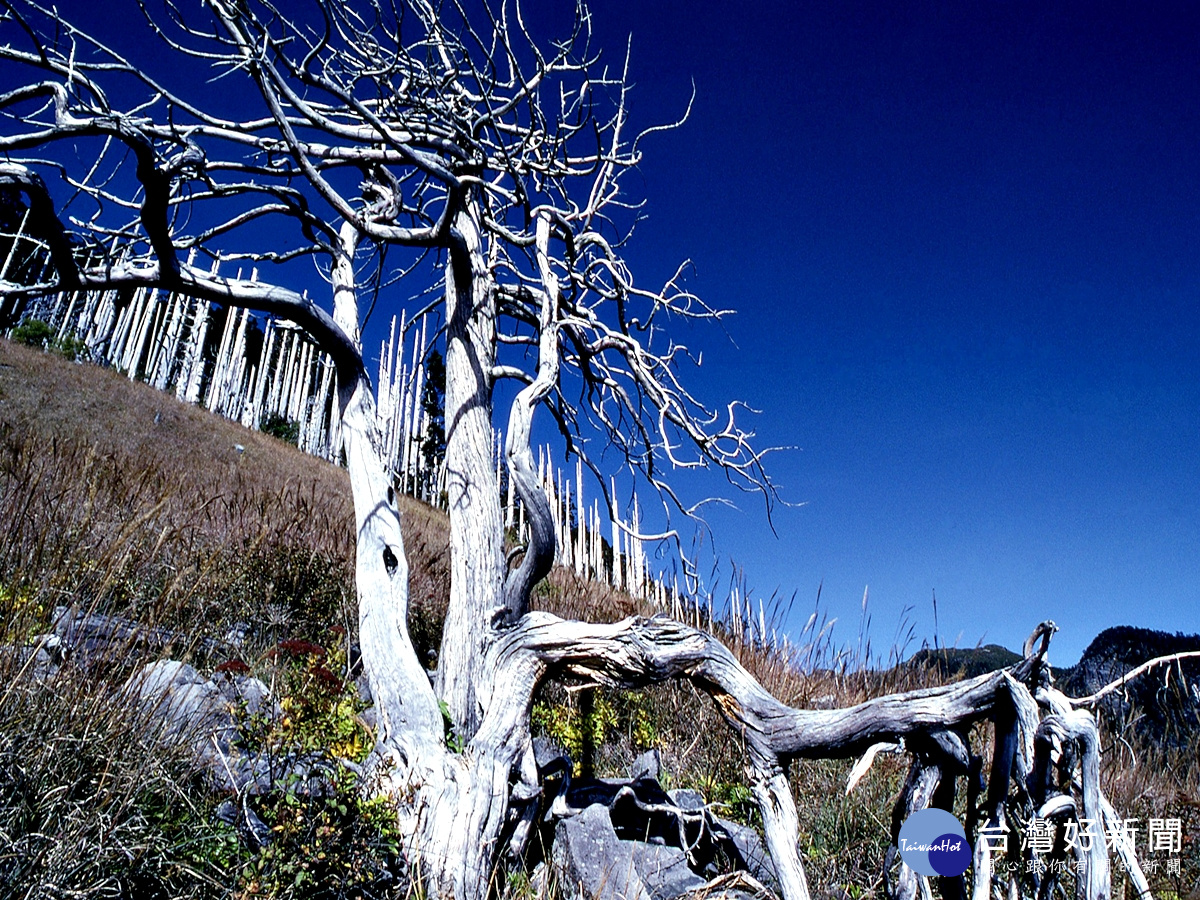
column 476, row 527
column 406, row 129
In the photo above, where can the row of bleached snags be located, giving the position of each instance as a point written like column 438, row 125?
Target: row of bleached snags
column 161, row 338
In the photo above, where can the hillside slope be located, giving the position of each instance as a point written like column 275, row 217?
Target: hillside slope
column 97, row 469
column 117, row 498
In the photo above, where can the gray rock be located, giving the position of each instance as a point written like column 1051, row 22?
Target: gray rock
column 685, row 798
column 237, row 773
column 363, row 685
column 629, row 839
column 592, row 862
column 51, row 646
column 183, row 700
column 45, row 665
column 236, row 636
column 92, row 638
column 746, row 847
column 205, row 713
column 664, row 871
column 648, row 765
column 371, row 717
column 246, row 694
column 547, row 753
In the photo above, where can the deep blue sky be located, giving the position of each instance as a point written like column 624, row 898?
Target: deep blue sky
column 964, row 243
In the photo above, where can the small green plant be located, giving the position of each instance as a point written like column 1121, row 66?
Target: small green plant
column 279, row 426
column 598, row 727
column 577, row 732
column 33, row 333
column 582, row 725
column 198, row 838
column 453, row 741
column 637, row 719
column 327, row 841
column 71, row 348
column 734, row 800
column 320, row 708
column 22, row 614
column 36, row 333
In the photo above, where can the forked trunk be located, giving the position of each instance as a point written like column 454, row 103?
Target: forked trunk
column 452, row 806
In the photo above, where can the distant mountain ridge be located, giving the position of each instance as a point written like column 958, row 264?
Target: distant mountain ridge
column 1163, row 704
column 965, row 661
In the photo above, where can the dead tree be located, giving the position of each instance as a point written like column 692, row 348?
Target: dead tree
column 370, row 135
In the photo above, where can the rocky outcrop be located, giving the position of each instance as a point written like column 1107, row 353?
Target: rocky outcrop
column 97, row 642
column 615, row 839
column 207, row 714
column 591, row 860
column 631, row 840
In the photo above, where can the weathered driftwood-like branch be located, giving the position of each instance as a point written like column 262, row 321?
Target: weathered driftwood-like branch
column 924, row 778
column 1079, row 728
column 1137, row 672
column 638, row 652
column 539, row 554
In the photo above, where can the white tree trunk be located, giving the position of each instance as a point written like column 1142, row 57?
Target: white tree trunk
column 476, row 526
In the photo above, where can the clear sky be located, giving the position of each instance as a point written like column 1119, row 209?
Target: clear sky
column 964, row 243
column 963, row 239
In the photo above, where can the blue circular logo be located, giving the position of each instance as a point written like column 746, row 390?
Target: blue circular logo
column 933, row 842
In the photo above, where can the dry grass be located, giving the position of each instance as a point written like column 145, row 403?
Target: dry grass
column 91, row 805
column 118, row 499
column 116, row 496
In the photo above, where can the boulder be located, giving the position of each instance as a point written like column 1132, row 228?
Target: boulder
column 204, row 713
column 250, row 827
column 648, row 765
column 686, row 798
column 592, row 862
column 664, row 871
column 632, row 839
column 91, row 639
column 185, row 702
column 746, row 850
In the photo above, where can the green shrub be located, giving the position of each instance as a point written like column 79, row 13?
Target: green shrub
column 325, row 844
column 33, row 333
column 36, row 333
column 279, row 426
column 71, row 347
column 328, row 840
column 586, row 722
column 320, row 707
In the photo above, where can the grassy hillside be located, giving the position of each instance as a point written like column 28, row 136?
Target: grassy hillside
column 117, row 498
